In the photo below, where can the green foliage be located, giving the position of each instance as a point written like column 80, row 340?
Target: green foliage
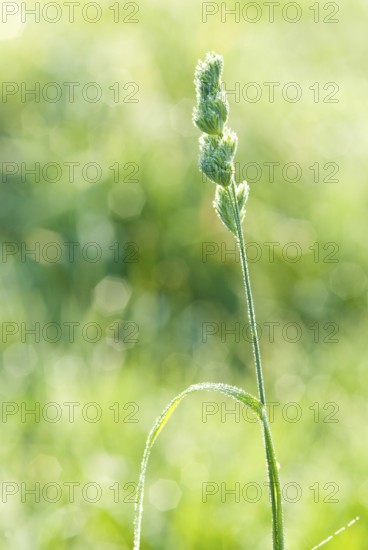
column 233, row 392
column 150, row 222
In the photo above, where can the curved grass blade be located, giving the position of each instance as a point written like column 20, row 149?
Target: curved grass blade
column 230, row 391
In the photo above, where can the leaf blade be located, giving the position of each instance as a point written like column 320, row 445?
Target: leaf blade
column 233, row 392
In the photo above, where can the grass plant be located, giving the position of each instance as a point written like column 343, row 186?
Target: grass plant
column 218, row 144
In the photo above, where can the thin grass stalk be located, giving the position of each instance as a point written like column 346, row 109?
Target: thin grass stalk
column 272, row 468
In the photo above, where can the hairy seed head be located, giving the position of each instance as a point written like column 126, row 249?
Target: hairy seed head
column 216, row 157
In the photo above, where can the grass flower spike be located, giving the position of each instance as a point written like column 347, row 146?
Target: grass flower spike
column 216, row 158
column 212, row 110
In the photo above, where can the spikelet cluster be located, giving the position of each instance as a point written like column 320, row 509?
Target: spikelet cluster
column 217, row 144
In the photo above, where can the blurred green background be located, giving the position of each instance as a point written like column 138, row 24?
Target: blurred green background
column 121, row 315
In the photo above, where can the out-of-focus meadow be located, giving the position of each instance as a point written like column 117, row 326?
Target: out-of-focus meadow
column 133, row 289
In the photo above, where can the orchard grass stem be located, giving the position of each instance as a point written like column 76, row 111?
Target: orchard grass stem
column 248, row 292
column 275, row 488
column 272, row 468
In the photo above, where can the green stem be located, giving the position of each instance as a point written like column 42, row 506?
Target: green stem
column 272, row 469
column 275, row 488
